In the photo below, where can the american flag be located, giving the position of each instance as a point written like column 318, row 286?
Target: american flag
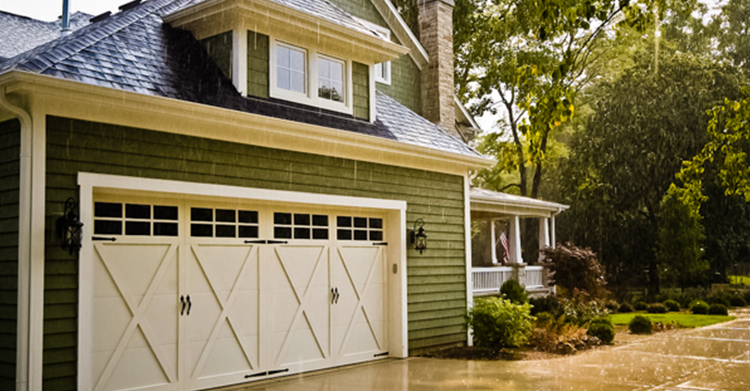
column 504, row 242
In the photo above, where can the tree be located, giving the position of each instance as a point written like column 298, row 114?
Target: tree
column 525, row 58
column 574, row 268
column 679, row 251
column 623, row 161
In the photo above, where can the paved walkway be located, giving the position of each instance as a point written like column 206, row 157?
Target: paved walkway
column 712, row 358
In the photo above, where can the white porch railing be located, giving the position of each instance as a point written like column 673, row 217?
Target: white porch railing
column 490, row 279
column 534, row 277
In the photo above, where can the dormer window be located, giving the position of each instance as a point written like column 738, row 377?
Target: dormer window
column 331, row 79
column 291, row 67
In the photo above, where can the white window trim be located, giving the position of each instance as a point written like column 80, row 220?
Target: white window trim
column 379, row 74
column 385, row 34
column 310, row 97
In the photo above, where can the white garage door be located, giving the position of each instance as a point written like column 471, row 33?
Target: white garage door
column 193, row 294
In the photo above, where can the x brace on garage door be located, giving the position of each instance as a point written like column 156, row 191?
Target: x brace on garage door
column 187, row 290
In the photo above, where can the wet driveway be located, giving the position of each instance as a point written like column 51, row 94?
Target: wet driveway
column 711, row 358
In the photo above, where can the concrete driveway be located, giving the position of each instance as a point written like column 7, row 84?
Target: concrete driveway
column 711, row 358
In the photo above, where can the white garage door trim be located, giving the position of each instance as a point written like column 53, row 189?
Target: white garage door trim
column 395, row 236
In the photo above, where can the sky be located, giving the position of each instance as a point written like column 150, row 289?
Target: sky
column 49, row 10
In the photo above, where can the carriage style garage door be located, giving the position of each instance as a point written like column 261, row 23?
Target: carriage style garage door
column 198, row 293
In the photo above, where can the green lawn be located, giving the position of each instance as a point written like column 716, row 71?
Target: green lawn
column 683, row 319
column 744, row 280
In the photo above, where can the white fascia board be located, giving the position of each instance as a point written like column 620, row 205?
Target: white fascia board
column 514, row 209
column 465, row 113
column 71, row 99
column 402, row 31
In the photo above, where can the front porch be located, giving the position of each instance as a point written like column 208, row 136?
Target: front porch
column 497, row 254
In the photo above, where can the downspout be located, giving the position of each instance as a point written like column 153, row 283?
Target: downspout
column 24, row 244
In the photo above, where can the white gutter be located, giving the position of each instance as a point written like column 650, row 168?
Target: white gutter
column 24, row 244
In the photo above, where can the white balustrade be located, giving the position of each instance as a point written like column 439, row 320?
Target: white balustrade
column 534, row 277
column 490, row 279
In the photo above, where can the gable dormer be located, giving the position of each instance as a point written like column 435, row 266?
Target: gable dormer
column 309, row 52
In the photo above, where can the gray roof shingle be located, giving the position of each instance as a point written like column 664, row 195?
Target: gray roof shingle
column 136, row 51
column 20, row 33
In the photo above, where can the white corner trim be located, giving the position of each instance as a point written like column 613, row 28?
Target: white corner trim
column 24, row 378
column 239, row 61
column 465, row 113
column 467, row 246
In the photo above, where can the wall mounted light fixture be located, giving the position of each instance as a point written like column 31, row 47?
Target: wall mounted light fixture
column 417, row 237
column 69, row 227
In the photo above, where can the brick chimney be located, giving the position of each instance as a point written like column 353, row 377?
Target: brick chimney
column 438, row 91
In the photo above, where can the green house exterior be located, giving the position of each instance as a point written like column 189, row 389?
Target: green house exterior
column 10, row 143
column 179, row 116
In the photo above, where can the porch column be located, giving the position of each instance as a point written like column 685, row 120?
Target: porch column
column 493, row 241
column 515, row 240
column 544, row 237
column 552, row 231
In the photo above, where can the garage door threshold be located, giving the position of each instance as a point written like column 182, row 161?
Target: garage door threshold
column 304, row 379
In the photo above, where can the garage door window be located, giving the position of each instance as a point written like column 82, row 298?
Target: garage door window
column 300, row 226
column 223, row 223
column 359, row 228
column 111, row 218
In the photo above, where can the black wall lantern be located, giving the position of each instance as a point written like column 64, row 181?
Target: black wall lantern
column 417, row 236
column 69, row 227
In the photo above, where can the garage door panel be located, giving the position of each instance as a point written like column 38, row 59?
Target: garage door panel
column 359, row 325
column 258, row 306
column 223, row 330
column 138, row 367
column 126, row 339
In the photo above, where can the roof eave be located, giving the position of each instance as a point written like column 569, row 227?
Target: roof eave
column 277, row 133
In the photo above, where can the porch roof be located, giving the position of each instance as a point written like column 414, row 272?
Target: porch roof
column 493, row 203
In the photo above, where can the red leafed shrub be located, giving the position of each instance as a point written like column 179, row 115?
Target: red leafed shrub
column 574, row 268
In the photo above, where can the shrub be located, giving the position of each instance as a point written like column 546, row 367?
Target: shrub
column 699, row 307
column 549, row 304
column 513, row 291
column 612, row 305
column 603, row 331
column 580, row 311
column 499, row 323
column 640, row 306
column 574, row 268
column 656, row 308
column 543, row 319
column 718, row 309
column 672, row 306
column 718, row 299
column 625, row 308
column 737, row 301
column 746, row 296
column 602, row 320
column 640, row 325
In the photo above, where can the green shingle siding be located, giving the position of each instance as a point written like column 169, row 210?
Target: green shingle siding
column 257, row 64
column 361, row 82
column 436, row 279
column 362, row 9
column 10, row 150
column 406, row 83
column 219, row 47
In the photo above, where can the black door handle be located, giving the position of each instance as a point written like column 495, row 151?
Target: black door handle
column 190, row 304
column 182, row 299
column 333, row 295
column 337, row 295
